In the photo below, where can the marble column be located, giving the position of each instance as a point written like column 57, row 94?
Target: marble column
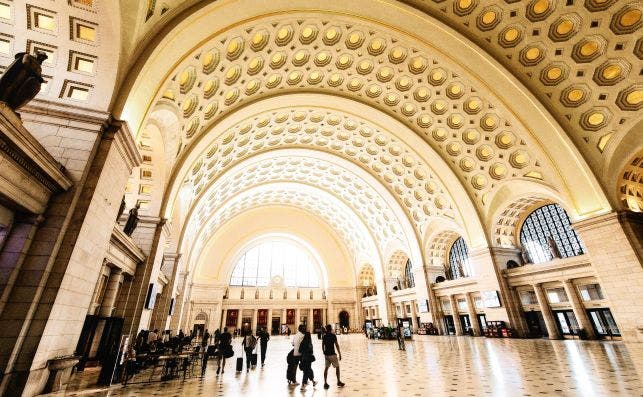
column 239, row 318
column 579, row 310
column 253, row 326
column 111, row 292
column 222, row 320
column 269, row 321
column 414, row 316
column 456, row 317
column 545, row 310
column 297, row 317
column 472, row 315
column 283, row 317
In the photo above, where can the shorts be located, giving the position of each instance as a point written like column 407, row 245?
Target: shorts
column 332, row 360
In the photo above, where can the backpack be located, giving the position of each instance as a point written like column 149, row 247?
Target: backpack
column 251, row 342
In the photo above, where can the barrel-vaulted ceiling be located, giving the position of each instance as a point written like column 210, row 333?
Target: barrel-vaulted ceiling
column 440, row 138
column 446, row 105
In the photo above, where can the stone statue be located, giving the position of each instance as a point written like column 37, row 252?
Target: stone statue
column 553, row 248
column 121, row 208
column 132, row 220
column 21, row 82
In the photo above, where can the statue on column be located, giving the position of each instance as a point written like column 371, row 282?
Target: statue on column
column 121, row 208
column 132, row 220
column 22, row 80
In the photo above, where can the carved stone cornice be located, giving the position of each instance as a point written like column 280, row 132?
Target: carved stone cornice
column 27, row 152
column 125, row 144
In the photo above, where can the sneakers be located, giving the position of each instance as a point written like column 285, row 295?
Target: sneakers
column 326, row 386
column 314, row 383
column 340, row 384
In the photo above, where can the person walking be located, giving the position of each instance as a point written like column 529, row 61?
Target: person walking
column 264, row 337
column 329, row 343
column 296, row 343
column 307, row 358
column 225, row 349
column 249, row 343
column 206, row 340
column 400, row 338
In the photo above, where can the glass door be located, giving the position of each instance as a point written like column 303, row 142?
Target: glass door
column 482, row 320
column 603, row 322
column 449, row 325
column 465, row 321
column 566, row 321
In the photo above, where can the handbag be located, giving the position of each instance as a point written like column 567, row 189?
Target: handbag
column 290, row 358
column 228, row 352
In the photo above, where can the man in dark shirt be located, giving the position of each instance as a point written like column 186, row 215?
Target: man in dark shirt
column 264, row 337
column 329, row 342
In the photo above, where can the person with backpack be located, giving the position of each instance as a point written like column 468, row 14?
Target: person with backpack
column 329, row 343
column 249, row 343
column 307, row 358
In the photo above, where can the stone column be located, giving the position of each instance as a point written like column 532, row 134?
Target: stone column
column 111, row 292
column 414, row 316
column 253, row 327
column 283, row 318
column 472, row 314
column 455, row 314
column 68, row 248
column 614, row 243
column 170, row 267
column 297, row 317
column 269, row 321
column 579, row 310
column 150, row 235
column 239, row 318
column 545, row 310
column 311, row 322
column 222, row 320
column 14, row 250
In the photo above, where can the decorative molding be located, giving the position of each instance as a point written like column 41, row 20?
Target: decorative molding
column 25, row 150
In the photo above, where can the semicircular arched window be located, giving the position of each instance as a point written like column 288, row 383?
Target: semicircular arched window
column 260, row 264
column 409, row 281
column 547, row 233
column 458, row 266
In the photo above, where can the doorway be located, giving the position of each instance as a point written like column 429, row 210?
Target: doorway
column 465, row 322
column 449, row 325
column 274, row 325
column 482, row 321
column 536, row 324
column 603, row 322
column 344, row 318
column 566, row 321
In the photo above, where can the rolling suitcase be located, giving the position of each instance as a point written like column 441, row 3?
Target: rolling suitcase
column 253, row 359
column 291, row 373
column 239, row 364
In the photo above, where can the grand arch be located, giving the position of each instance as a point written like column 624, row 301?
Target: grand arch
column 393, row 127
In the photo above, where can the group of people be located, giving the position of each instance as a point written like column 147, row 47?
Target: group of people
column 302, row 356
column 221, row 348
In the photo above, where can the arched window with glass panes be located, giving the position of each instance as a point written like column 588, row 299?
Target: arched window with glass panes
column 409, row 281
column 547, row 234
column 260, row 264
column 458, row 266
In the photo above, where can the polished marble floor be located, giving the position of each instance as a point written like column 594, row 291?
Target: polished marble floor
column 430, row 366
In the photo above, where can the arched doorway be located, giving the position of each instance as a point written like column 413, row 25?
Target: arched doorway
column 344, row 318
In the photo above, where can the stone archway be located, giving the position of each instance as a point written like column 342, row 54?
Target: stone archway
column 344, row 319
